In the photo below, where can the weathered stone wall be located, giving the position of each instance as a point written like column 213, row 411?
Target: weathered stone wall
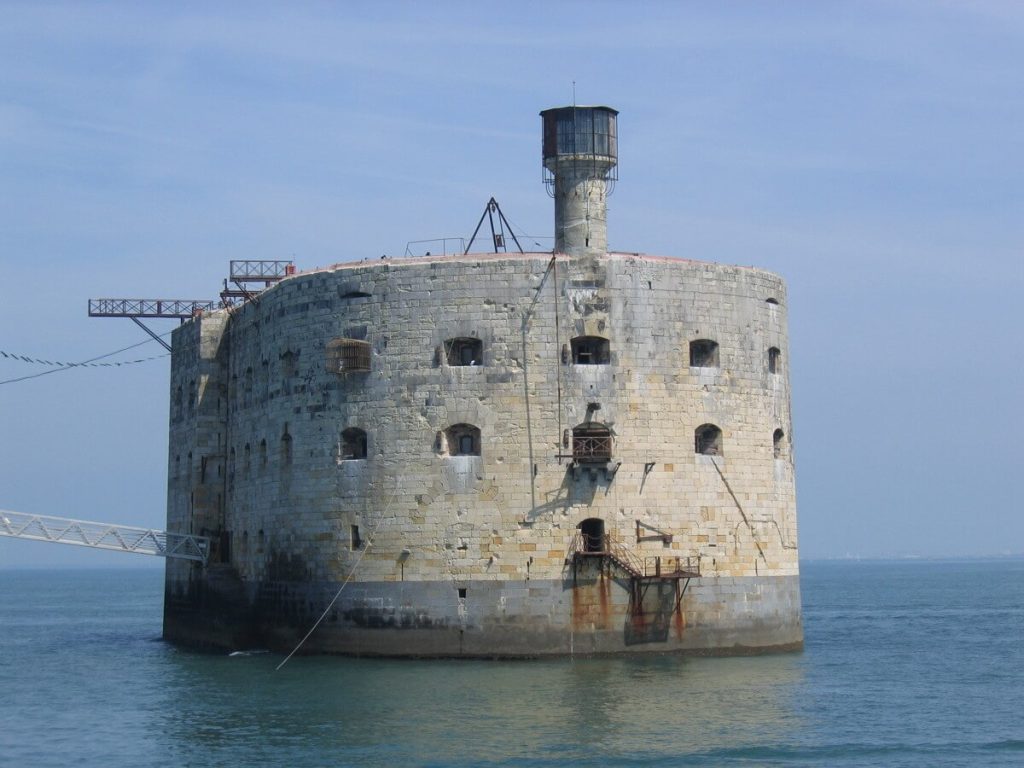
column 453, row 554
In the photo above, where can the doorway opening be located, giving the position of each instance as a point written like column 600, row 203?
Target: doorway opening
column 592, row 534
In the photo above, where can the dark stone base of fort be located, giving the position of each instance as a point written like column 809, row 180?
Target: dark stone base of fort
column 586, row 613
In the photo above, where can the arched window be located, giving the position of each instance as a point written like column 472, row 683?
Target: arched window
column 348, row 356
column 464, row 351
column 707, row 440
column 703, row 353
column 772, row 300
column 778, row 442
column 462, row 440
column 353, row 444
column 591, row 443
column 263, row 452
column 590, row 350
column 774, row 360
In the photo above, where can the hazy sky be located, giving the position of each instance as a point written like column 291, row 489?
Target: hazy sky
column 871, row 153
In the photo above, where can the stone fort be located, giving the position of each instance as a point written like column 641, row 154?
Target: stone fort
column 495, row 455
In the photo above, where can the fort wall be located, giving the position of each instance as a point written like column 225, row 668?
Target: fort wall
column 446, row 485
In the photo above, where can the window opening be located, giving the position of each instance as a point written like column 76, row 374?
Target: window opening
column 591, row 443
column 286, row 448
column 348, row 356
column 774, row 360
column 777, row 441
column 708, row 440
column 247, row 393
column 590, row 350
column 463, row 440
column 353, row 443
column 356, row 541
column 464, row 351
column 703, row 353
column 289, row 365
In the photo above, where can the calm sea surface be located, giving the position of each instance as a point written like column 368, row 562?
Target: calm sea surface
column 907, row 664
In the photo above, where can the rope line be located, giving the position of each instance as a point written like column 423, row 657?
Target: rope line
column 37, row 361
column 743, row 514
column 348, row 578
column 83, row 364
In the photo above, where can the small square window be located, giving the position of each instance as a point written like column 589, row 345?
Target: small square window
column 590, row 350
column 703, row 354
column 464, row 351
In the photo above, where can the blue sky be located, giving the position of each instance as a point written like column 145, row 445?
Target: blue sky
column 871, row 153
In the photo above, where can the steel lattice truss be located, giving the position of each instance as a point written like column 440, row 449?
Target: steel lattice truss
column 250, row 270
column 179, row 308
column 120, row 538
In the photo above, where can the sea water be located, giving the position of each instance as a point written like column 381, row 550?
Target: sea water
column 906, row 664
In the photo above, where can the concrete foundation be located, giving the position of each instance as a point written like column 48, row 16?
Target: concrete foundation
column 591, row 613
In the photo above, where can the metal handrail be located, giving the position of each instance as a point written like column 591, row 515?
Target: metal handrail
column 459, row 249
column 657, row 566
column 670, row 565
column 251, row 269
column 591, row 448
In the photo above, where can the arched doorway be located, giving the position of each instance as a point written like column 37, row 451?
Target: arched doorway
column 592, row 534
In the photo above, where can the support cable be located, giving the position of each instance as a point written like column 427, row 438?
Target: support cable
column 348, row 578
column 84, row 364
column 743, row 514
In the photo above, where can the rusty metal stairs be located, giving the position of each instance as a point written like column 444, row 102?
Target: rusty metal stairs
column 642, row 573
